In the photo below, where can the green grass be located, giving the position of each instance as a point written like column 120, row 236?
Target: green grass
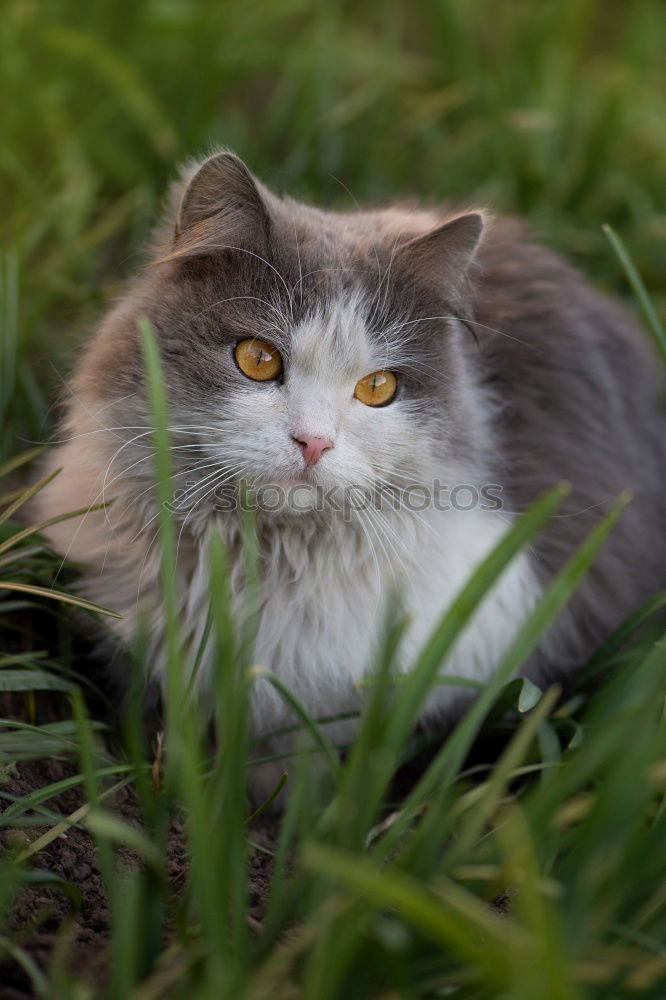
column 552, row 110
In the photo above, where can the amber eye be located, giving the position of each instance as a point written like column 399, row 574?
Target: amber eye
column 258, row 360
column 376, row 389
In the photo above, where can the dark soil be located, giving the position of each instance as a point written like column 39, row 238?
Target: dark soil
column 39, row 913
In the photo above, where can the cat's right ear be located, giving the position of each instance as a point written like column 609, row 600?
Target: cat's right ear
column 445, row 255
column 450, row 247
column 220, row 206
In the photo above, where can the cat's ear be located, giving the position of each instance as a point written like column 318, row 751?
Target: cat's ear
column 221, row 201
column 446, row 253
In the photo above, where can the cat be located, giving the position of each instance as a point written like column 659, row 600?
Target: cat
column 336, row 361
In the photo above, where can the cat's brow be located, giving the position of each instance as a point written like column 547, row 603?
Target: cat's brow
column 320, row 270
column 465, row 319
column 240, row 298
column 227, row 246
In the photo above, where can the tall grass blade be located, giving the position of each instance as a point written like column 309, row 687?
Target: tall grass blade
column 448, row 762
column 640, row 291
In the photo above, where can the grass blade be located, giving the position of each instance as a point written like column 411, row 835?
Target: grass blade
column 59, row 595
column 299, row 709
column 448, row 762
column 28, row 494
column 640, row 291
column 523, row 530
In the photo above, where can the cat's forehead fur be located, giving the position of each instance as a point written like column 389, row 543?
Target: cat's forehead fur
column 310, row 257
column 339, row 293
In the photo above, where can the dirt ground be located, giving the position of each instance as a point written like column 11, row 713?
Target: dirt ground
column 37, row 912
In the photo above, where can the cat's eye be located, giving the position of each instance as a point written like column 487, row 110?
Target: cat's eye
column 376, row 389
column 258, row 359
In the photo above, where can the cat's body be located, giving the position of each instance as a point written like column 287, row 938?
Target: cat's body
column 553, row 385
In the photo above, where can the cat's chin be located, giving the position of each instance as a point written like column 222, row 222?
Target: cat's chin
column 293, row 497
column 293, row 482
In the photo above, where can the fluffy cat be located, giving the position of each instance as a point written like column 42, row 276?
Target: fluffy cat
column 499, row 373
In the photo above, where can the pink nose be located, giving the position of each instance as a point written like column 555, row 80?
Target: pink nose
column 312, row 447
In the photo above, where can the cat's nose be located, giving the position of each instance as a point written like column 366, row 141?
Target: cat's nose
column 312, row 448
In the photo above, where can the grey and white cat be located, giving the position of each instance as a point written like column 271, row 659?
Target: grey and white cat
column 281, row 326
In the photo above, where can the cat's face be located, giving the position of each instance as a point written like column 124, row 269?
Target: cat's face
column 306, row 430
column 306, row 354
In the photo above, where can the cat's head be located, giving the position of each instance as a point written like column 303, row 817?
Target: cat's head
column 301, row 347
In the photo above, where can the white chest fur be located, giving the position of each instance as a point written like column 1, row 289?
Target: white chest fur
column 324, row 597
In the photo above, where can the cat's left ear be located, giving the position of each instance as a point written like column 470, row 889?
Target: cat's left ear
column 447, row 252
column 221, row 205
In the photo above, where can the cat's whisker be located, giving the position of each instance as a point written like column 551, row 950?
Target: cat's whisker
column 190, row 492
column 371, row 546
column 389, row 547
column 374, row 239
column 236, row 473
column 66, row 439
column 239, row 298
column 105, row 482
column 393, row 538
column 228, row 246
column 366, row 510
column 195, row 446
column 397, row 496
column 68, row 387
column 321, row 270
column 123, row 472
column 413, row 480
column 142, row 569
column 396, row 493
column 106, row 485
column 146, row 428
column 472, row 322
column 300, row 264
column 215, row 430
column 182, row 505
column 96, row 500
column 188, row 471
column 380, row 299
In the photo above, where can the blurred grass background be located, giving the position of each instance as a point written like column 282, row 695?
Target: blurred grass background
column 555, row 110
